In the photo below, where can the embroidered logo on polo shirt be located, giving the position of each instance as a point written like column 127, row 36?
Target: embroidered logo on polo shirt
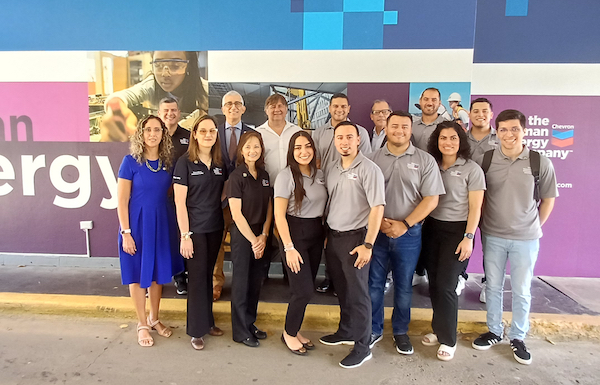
column 218, row 171
column 176, row 177
column 527, row 170
column 184, row 141
column 265, row 183
column 412, row 166
column 352, row 176
column 194, row 173
column 455, row 173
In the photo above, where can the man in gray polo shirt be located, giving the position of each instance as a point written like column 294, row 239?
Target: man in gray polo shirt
column 327, row 155
column 354, row 211
column 482, row 137
column 423, row 125
column 511, row 226
column 412, row 187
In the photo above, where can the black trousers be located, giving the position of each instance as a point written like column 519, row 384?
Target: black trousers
column 308, row 236
column 200, row 270
column 248, row 276
column 440, row 240
column 352, row 287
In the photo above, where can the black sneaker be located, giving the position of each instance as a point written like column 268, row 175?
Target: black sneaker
column 520, row 352
column 334, row 339
column 181, row 287
column 486, row 341
column 374, row 339
column 325, row 286
column 403, row 345
column 355, row 359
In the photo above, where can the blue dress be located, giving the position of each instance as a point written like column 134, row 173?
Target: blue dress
column 151, row 218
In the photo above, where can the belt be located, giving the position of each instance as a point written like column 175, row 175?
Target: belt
column 336, row 233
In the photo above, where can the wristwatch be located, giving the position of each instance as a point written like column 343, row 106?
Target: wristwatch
column 469, row 235
column 125, row 231
column 368, row 245
column 187, row 235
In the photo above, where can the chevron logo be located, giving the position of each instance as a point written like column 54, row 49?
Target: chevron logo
column 561, row 138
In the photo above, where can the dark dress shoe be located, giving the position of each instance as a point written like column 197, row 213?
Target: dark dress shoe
column 216, row 332
column 251, row 342
column 197, row 343
column 324, row 286
column 259, row 333
column 300, row 352
column 309, row 345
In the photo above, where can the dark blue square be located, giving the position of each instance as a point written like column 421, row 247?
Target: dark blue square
column 297, row 6
column 363, row 30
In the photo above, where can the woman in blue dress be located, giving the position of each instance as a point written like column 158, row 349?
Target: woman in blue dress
column 145, row 244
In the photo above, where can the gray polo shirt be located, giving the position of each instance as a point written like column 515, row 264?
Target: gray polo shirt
column 509, row 210
column 326, row 151
column 315, row 198
column 421, row 131
column 353, row 192
column 408, row 178
column 480, row 147
column 459, row 179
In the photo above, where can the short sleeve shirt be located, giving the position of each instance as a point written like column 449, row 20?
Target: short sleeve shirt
column 408, row 178
column 421, row 131
column 205, row 186
column 276, row 147
column 326, row 151
column 459, row 179
column 254, row 193
column 352, row 193
column 315, row 198
column 509, row 210
column 480, row 147
column 181, row 142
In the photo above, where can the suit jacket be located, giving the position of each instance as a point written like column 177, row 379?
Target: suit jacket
column 229, row 163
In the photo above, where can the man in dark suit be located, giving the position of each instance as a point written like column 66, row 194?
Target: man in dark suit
column 233, row 108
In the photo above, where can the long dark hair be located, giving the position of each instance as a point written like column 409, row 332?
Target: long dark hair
column 191, row 92
column 464, row 148
column 299, row 191
column 194, row 149
column 246, row 136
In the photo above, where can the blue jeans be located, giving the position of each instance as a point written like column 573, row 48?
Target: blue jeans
column 402, row 253
column 522, row 255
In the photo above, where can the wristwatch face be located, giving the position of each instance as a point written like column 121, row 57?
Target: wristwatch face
column 368, row 245
column 469, row 235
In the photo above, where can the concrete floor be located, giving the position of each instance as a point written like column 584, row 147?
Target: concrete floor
column 36, row 349
column 547, row 298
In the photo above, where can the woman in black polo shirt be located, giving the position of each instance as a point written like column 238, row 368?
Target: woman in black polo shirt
column 448, row 231
column 300, row 198
column 199, row 177
column 249, row 193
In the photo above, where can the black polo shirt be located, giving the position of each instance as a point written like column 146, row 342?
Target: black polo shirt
column 181, row 141
column 204, row 193
column 254, row 193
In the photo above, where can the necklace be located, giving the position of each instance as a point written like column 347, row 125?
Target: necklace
column 150, row 167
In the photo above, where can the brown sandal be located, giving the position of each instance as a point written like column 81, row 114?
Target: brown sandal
column 144, row 342
column 164, row 331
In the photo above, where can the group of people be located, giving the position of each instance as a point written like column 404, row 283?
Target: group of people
column 412, row 195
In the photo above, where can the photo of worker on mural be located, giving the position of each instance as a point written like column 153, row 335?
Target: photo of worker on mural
column 127, row 86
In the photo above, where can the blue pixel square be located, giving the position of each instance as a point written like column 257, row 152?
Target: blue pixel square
column 516, row 7
column 297, row 6
column 363, row 30
column 390, row 17
column 364, row 5
column 323, row 30
column 323, row 5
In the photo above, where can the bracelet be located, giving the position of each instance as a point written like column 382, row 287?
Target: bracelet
column 187, row 235
column 406, row 224
column 266, row 235
column 289, row 247
column 125, row 231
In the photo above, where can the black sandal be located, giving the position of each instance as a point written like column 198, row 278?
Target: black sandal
column 300, row 352
column 309, row 345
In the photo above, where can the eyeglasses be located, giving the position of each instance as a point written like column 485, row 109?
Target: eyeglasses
column 231, row 104
column 149, row 130
column 203, row 132
column 381, row 112
column 514, row 130
column 175, row 66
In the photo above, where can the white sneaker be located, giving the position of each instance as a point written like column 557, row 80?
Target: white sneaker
column 419, row 279
column 460, row 286
column 482, row 294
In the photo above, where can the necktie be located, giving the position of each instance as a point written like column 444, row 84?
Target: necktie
column 232, row 144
